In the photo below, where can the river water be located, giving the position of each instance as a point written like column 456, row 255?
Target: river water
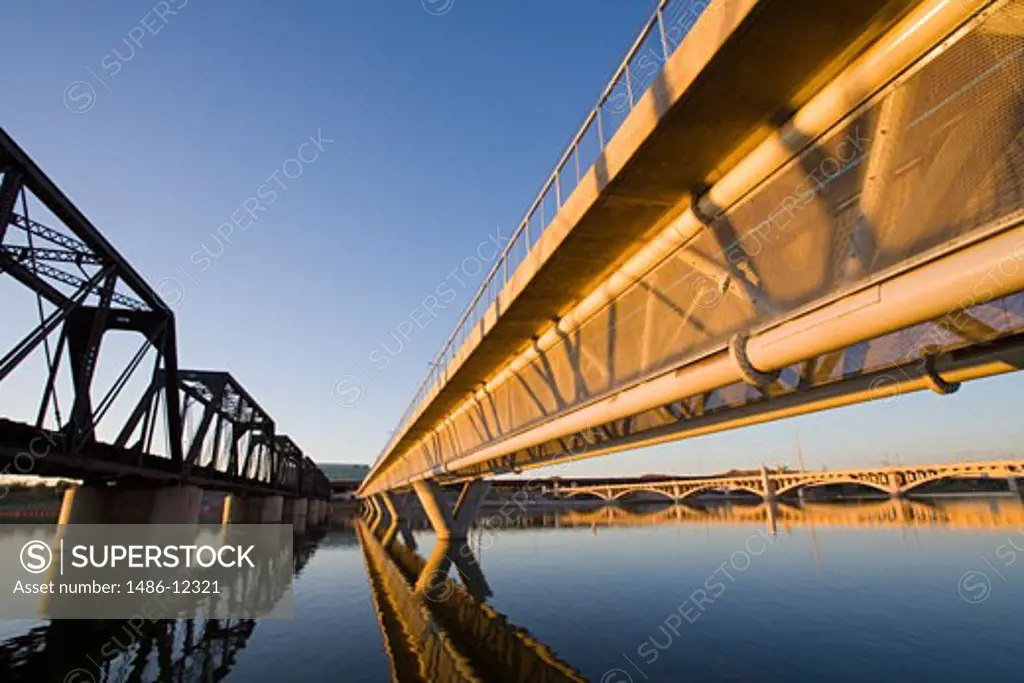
column 908, row 591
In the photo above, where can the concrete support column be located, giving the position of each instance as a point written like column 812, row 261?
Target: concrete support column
column 176, row 505
column 454, row 523
column 405, row 529
column 311, row 512
column 272, row 509
column 88, row 504
column 234, row 510
column 375, row 512
column 1016, row 486
column 253, row 509
column 316, row 515
column 768, row 485
column 895, row 486
column 394, row 517
column 296, row 513
column 321, row 512
column 432, row 499
column 385, row 517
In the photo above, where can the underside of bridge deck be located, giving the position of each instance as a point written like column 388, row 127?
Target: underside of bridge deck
column 856, row 234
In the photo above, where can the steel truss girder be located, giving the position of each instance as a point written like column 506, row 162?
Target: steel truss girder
column 111, row 295
column 25, row 175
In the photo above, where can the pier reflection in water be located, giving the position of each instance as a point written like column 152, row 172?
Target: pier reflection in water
column 573, row 593
column 109, row 650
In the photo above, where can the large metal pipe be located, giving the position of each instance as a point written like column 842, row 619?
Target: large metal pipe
column 876, row 386
column 919, row 31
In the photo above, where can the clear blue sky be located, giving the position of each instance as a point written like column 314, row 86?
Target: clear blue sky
column 435, row 131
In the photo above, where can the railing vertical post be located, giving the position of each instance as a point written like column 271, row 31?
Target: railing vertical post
column 576, row 153
column 661, row 30
column 600, row 125
column 558, row 187
column 629, row 86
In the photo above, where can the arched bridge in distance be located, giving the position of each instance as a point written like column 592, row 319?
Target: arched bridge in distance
column 145, row 436
column 891, row 481
column 775, row 207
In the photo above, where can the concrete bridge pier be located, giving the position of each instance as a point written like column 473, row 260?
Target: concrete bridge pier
column 771, row 518
column 451, row 524
column 253, row 509
column 326, row 509
column 313, row 512
column 96, row 504
column 405, row 529
column 378, row 515
column 234, row 510
column 895, row 486
column 1015, row 486
column 323, row 509
column 434, row 577
column 272, row 509
column 296, row 513
column 767, row 486
column 393, row 515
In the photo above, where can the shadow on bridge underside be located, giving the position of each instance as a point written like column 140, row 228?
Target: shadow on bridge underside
column 437, row 630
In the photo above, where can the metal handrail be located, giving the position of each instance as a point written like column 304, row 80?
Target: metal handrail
column 453, row 343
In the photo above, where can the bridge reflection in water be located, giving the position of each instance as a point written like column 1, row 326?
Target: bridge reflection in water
column 436, row 630
column 979, row 514
column 124, row 650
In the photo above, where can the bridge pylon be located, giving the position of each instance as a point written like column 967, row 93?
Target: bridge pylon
column 767, row 486
column 452, row 523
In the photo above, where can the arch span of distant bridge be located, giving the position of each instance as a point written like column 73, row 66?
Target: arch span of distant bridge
column 893, row 481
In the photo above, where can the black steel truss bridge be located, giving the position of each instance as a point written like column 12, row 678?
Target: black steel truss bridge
column 90, row 382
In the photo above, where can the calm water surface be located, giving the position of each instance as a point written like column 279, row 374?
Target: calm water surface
column 911, row 591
